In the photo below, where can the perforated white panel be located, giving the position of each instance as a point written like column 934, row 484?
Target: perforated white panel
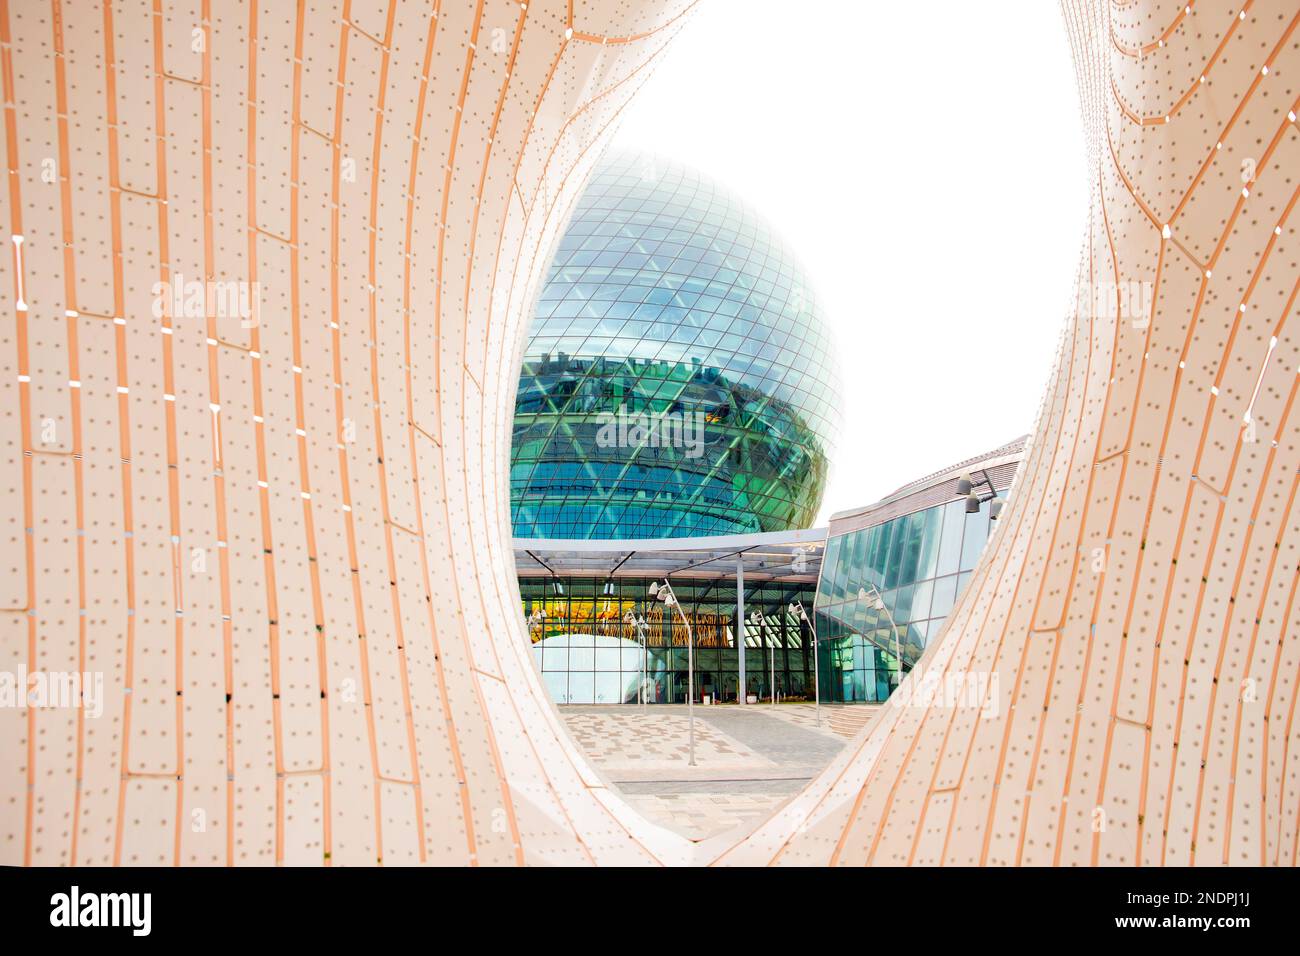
column 278, row 532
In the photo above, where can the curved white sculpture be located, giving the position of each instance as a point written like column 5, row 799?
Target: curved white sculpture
column 268, row 279
column 281, row 536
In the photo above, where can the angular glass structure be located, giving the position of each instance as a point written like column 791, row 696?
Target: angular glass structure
column 677, row 379
column 915, row 551
column 919, row 563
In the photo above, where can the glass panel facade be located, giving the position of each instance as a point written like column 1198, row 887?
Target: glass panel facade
column 677, row 378
column 919, row 563
column 588, row 655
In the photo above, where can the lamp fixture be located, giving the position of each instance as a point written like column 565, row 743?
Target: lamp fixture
column 664, row 592
column 966, row 485
column 874, row 600
column 799, row 614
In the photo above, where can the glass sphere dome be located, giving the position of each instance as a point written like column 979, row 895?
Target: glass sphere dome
column 678, row 379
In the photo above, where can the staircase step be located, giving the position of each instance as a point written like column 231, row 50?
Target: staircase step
column 846, row 720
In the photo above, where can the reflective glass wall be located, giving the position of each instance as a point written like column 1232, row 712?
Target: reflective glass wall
column 677, row 379
column 918, row 563
column 588, row 654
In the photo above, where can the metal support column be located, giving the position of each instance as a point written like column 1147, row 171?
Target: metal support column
column 741, row 687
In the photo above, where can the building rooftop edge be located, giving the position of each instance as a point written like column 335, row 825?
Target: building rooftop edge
column 1011, row 451
column 721, row 542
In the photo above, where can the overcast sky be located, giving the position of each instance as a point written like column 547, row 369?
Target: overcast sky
column 925, row 162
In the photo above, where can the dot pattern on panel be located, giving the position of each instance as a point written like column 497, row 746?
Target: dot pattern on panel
column 267, row 264
column 211, row 476
column 1133, row 630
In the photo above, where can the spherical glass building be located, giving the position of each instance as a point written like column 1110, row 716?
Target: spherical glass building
column 677, row 379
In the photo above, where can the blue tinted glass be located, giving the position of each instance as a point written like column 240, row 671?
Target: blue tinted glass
column 945, row 593
column 929, row 559
column 829, row 564
column 913, row 561
column 911, row 555
column 977, row 533
column 900, row 604
column 921, row 599
column 897, row 545
column 950, row 542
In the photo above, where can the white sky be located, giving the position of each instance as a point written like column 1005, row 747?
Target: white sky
column 925, row 162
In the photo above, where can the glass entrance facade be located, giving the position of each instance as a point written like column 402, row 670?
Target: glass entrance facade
column 587, row 654
column 920, row 563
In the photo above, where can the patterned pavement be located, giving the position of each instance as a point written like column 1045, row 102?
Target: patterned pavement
column 698, row 816
column 748, row 761
column 626, row 739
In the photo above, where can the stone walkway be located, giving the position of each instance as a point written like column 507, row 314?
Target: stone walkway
column 748, row 760
column 698, row 816
column 625, row 739
column 801, row 715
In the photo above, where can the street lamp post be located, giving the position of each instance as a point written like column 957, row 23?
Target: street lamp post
column 878, row 602
column 535, row 619
column 640, row 625
column 758, row 621
column 797, row 610
column 664, row 592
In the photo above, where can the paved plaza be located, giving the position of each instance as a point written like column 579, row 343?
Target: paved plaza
column 748, row 760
